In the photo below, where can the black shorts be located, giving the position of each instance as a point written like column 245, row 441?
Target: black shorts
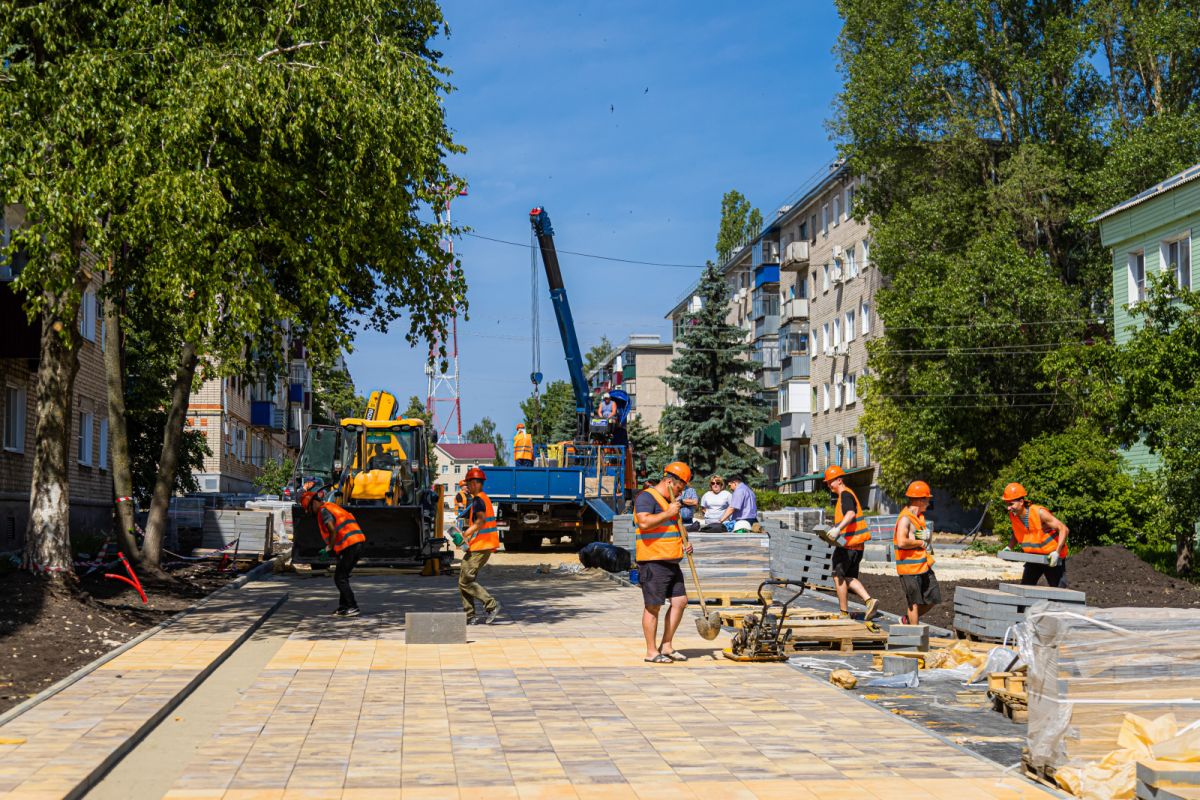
column 846, row 562
column 660, row 580
column 921, row 590
column 1056, row 577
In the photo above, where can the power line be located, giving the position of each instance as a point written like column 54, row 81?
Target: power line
column 591, row 255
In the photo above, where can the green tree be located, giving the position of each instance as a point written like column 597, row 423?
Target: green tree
column 718, row 412
column 274, row 476
column 597, row 354
column 740, row 222
column 484, row 432
column 188, row 148
column 650, row 454
column 550, row 416
column 1159, row 397
column 334, row 395
column 416, row 410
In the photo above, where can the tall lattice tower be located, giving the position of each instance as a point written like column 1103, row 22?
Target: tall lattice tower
column 441, row 398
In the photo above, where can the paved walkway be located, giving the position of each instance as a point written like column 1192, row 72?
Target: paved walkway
column 556, row 702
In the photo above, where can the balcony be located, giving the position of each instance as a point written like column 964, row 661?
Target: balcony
column 795, row 425
column 766, row 251
column 794, row 309
column 265, row 414
column 796, row 367
column 766, row 276
column 766, row 326
column 293, row 439
column 795, row 257
column 768, row 436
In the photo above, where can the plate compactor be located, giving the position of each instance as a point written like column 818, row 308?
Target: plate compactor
column 762, row 636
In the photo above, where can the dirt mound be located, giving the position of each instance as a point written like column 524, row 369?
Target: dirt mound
column 1110, row 576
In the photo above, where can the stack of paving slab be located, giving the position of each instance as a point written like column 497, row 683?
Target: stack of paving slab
column 253, row 531
column 725, row 562
column 908, row 637
column 798, row 519
column 801, row 555
column 989, row 613
column 1090, row 667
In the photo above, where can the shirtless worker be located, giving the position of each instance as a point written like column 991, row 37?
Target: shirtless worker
column 1037, row 531
column 848, row 553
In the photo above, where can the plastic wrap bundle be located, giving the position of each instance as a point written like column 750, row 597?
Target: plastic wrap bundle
column 1088, row 668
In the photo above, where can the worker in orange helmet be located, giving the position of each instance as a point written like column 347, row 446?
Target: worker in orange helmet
column 848, row 551
column 914, row 554
column 479, row 541
column 462, row 499
column 1035, row 530
column 344, row 537
column 659, row 549
column 522, row 447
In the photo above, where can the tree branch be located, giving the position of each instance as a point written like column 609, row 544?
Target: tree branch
column 291, row 49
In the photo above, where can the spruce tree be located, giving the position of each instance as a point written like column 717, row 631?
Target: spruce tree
column 717, row 410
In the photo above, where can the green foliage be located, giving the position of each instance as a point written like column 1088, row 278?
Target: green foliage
column 991, row 546
column 550, row 416
column 416, row 410
column 484, row 432
column 773, row 501
column 717, row 410
column 650, row 453
column 275, row 475
column 598, row 353
column 334, row 396
column 739, row 223
column 1078, row 475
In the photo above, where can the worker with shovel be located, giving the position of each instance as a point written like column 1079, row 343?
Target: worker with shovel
column 660, row 545
column 914, row 556
column 848, row 552
column 1037, row 531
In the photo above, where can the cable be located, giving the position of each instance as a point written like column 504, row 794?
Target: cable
column 1022, row 323
column 592, row 255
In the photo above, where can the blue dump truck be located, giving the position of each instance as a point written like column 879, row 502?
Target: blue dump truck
column 575, row 488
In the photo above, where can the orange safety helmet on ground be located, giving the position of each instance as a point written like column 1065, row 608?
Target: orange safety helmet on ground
column 918, row 489
column 834, row 472
column 1014, row 491
column 475, row 474
column 679, row 470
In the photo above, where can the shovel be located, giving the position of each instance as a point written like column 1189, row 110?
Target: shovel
column 708, row 624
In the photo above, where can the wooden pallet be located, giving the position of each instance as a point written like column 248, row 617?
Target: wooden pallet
column 733, row 617
column 726, row 597
column 1042, row 775
column 1010, row 682
column 843, row 635
column 1015, row 707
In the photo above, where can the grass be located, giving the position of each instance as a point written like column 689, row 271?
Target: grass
column 989, row 546
column 1161, row 556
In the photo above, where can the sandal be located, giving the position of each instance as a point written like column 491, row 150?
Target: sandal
column 659, row 659
column 674, row 655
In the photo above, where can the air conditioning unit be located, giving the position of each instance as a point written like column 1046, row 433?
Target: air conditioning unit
column 837, row 251
column 838, row 440
column 843, row 348
column 838, row 276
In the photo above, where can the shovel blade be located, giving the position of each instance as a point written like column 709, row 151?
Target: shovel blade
column 709, row 626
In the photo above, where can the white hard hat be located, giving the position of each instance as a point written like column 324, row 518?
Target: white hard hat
column 605, row 396
column 741, row 526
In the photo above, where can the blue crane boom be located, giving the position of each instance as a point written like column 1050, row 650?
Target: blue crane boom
column 540, row 221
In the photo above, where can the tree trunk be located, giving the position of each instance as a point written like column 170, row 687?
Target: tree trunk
column 48, row 534
column 118, row 430
column 168, row 463
column 1185, row 550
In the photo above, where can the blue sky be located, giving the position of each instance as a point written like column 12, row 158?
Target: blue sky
column 627, row 121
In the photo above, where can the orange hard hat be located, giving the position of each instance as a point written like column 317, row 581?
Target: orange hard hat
column 475, row 474
column 306, row 501
column 520, row 426
column 679, row 470
column 1014, row 491
column 918, row 489
column 833, row 472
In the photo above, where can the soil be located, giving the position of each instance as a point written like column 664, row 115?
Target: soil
column 46, row 633
column 1110, row 576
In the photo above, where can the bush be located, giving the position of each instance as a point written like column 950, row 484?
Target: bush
column 773, row 501
column 1078, row 475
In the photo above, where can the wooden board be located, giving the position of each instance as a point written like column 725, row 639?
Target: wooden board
column 726, row 597
column 733, row 617
column 842, row 635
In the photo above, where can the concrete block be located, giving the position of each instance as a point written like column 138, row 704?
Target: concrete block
column 435, row 627
column 1016, row 555
column 898, row 665
column 877, row 552
column 1045, row 593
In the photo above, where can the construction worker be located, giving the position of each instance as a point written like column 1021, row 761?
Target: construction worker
column 342, row 534
column 522, row 447
column 608, row 407
column 914, row 561
column 462, row 499
column 848, row 553
column 659, row 549
column 479, row 541
column 1037, row 531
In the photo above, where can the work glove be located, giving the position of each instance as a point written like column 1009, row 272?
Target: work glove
column 1054, row 559
column 323, row 552
column 922, row 536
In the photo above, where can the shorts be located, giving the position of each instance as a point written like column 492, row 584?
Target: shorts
column 660, row 580
column 846, row 563
column 921, row 590
column 1055, row 576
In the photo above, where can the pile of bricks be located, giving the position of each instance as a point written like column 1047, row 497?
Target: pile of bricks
column 908, row 637
column 799, row 555
column 989, row 613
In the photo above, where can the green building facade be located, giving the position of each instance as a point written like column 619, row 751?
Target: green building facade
column 1154, row 231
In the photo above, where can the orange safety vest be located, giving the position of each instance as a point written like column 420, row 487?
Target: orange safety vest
column 917, row 560
column 663, row 542
column 345, row 530
column 1030, row 536
column 461, row 499
column 523, row 446
column 487, row 537
column 857, row 533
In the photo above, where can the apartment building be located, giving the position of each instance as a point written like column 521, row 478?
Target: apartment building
column 637, row 366
column 90, row 473
column 455, row 459
column 248, row 424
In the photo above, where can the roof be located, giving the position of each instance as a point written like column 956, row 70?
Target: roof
column 1188, row 175
column 469, row 451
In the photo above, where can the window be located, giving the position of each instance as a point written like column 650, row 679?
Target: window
column 825, row 282
column 851, row 264
column 849, row 326
column 840, row 454
column 812, row 341
column 87, row 315
column 826, row 344
column 852, row 451
column 812, row 229
column 802, row 235
column 851, row 389
column 241, row 443
column 1137, row 277
column 102, row 460
column 866, row 245
column 85, row 439
column 864, row 313
column 814, row 408
column 812, row 453
column 827, row 454
column 1177, row 258
column 445, row 468
column 825, row 220
column 837, row 332
column 781, row 400
column 457, row 468
column 837, row 209
column 813, row 276
column 849, row 201
column 103, row 335
column 825, row 404
column 14, row 419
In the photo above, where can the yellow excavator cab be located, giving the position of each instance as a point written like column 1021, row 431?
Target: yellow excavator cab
column 380, row 464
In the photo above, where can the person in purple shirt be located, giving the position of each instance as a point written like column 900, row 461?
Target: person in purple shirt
column 743, row 507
